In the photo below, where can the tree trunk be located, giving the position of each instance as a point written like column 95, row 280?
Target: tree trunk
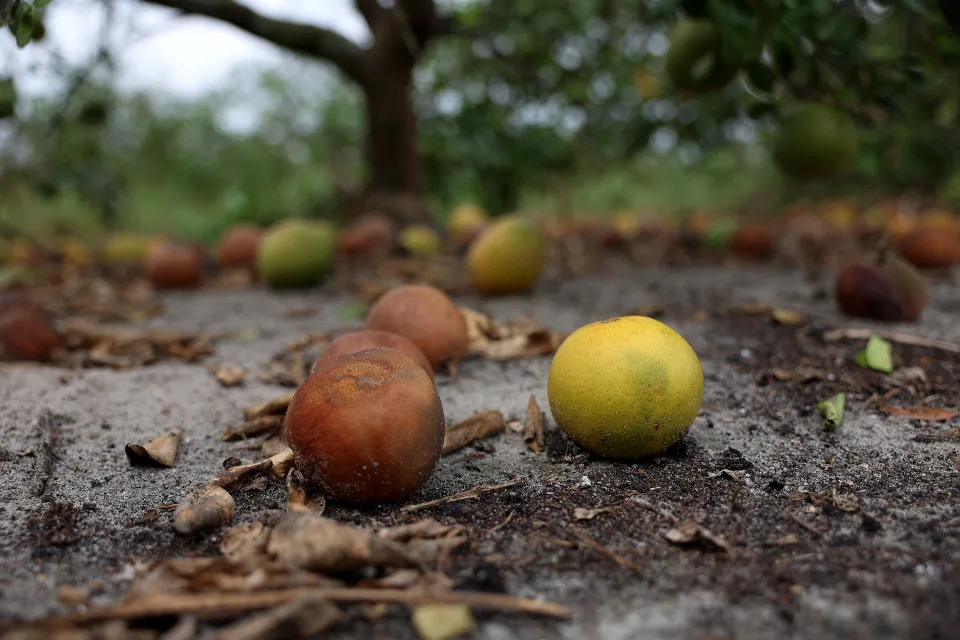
column 395, row 173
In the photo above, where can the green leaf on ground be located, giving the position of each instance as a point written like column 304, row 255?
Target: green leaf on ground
column 354, row 310
column 877, row 356
column 832, row 410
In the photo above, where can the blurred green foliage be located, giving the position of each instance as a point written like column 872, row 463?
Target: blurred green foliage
column 535, row 105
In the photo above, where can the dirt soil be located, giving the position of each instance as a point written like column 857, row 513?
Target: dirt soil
column 852, row 533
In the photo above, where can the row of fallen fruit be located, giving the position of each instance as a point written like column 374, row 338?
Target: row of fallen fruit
column 887, row 287
column 505, row 255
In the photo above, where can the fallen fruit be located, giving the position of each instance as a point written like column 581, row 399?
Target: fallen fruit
column 126, row 249
column 626, row 387
column 465, row 222
column 371, row 339
column 173, row 266
column 427, row 317
column 696, row 60
column 889, row 290
column 371, row 233
column 295, row 253
column 507, row 257
column 419, row 240
column 931, row 248
column 753, row 241
column 26, row 333
column 368, row 427
column 238, row 247
column 815, row 141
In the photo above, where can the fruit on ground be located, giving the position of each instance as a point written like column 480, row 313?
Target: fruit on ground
column 507, row 257
column 696, row 60
column 368, row 427
column 419, row 240
column 238, row 247
column 424, row 315
column 126, row 249
column 717, row 236
column 370, row 234
column 371, row 339
column 173, row 266
column 753, row 241
column 887, row 289
column 627, row 387
column 931, row 248
column 815, row 141
column 295, row 254
column 465, row 222
column 73, row 252
column 26, row 332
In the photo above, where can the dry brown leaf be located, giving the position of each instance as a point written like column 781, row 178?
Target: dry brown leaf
column 786, row 541
column 476, row 427
column 589, row 514
column 297, row 498
column 312, row 542
column 843, row 501
column 123, row 348
column 691, row 532
column 161, row 451
column 229, row 375
column 443, row 621
column 253, row 427
column 209, row 507
column 427, row 541
column 304, row 617
column 281, row 462
column 929, row 414
column 273, row 445
column 787, row 317
column 522, row 338
column 245, row 540
column 533, row 435
column 275, row 406
column 289, row 370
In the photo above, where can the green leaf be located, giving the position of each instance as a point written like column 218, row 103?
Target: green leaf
column 25, row 25
column 832, row 410
column 354, row 310
column 14, row 275
column 40, row 4
column 877, row 356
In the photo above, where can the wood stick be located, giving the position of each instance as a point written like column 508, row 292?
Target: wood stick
column 224, row 603
column 892, row 336
column 469, row 494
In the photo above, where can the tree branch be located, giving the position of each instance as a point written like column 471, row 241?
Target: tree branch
column 372, row 12
column 421, row 16
column 309, row 40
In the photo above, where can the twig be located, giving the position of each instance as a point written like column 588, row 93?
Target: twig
column 583, row 540
column 469, row 494
column 482, row 425
column 892, row 336
column 48, row 424
column 504, row 523
column 214, row 604
column 938, row 436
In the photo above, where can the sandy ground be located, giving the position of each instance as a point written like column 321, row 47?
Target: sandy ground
column 888, row 569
